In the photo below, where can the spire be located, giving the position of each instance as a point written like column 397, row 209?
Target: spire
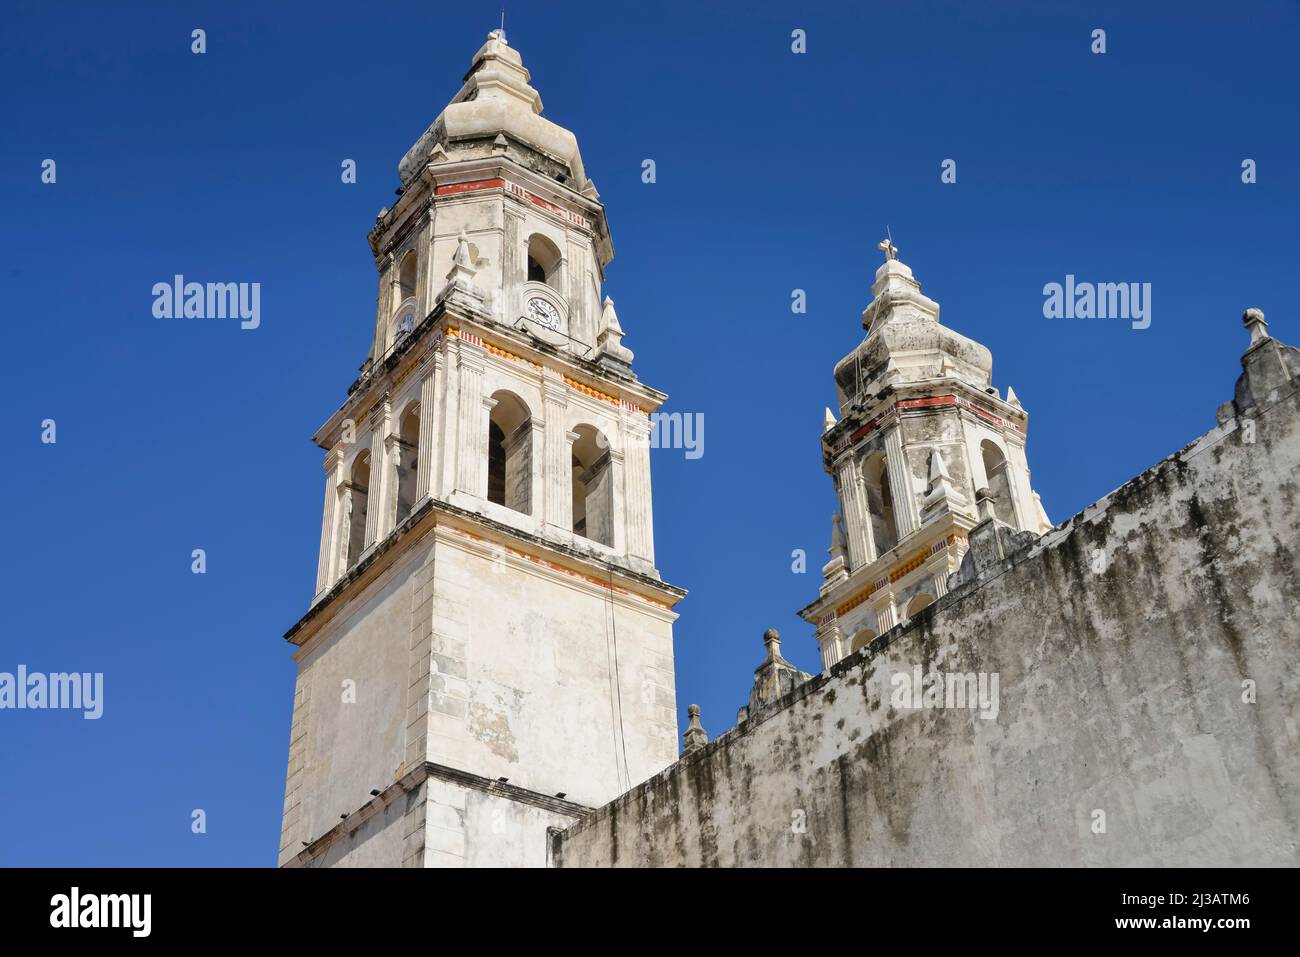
column 460, row 278
column 609, row 340
column 941, row 496
column 839, row 546
column 496, row 100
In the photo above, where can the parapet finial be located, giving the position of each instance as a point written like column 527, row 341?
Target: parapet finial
column 1253, row 319
column 695, row 737
column 984, row 504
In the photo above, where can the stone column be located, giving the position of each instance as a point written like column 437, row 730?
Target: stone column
column 830, row 638
column 480, row 453
column 514, row 269
column 857, row 516
column 429, row 411
column 900, row 485
column 471, row 433
column 325, row 568
column 378, row 514
column 575, row 281
column 1022, row 495
column 448, row 387
column 618, row 501
column 886, row 613
column 557, row 456
column 637, row 505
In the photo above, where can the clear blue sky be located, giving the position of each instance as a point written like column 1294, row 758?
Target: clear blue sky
column 776, row 171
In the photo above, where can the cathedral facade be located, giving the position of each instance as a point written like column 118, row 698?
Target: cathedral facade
column 485, row 673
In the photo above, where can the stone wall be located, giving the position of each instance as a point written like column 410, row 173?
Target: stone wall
column 467, row 653
column 1147, row 662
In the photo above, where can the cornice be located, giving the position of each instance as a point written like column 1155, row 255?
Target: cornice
column 556, row 556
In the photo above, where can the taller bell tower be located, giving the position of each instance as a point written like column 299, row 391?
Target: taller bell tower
column 489, row 649
column 924, row 450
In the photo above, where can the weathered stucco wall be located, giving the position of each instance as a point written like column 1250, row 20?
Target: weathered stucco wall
column 476, row 657
column 1121, row 642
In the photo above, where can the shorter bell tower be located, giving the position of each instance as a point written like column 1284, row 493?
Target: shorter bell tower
column 922, row 444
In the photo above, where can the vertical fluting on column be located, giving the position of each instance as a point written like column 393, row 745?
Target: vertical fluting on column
column 637, row 504
column 886, row 613
column 618, row 500
column 480, row 478
column 471, row 437
column 900, row 484
column 513, row 271
column 857, row 518
column 448, row 388
column 428, row 452
column 325, row 567
column 377, row 503
column 557, row 455
column 1022, row 494
column 575, row 281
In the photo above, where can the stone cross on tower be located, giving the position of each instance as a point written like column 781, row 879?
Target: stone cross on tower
column 887, row 246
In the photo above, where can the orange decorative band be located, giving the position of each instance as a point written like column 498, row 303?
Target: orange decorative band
column 601, row 582
column 913, row 563
column 498, row 351
column 901, row 571
column 588, row 390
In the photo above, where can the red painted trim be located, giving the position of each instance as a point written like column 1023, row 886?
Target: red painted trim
column 939, row 400
column 470, row 187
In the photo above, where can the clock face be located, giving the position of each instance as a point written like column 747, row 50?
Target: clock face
column 544, row 314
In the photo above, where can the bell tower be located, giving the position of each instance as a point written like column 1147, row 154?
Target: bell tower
column 924, row 450
column 489, row 649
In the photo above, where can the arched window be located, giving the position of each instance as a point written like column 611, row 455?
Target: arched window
column 917, row 603
column 880, row 502
column 357, row 494
column 510, row 453
column 408, row 457
column 543, row 260
column 406, row 277
column 861, row 640
column 593, row 486
column 998, row 481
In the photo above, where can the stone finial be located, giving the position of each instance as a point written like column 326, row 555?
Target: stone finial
column 984, row 504
column 839, row 543
column 836, row 569
column 609, row 340
column 938, row 470
column 829, row 422
column 462, row 265
column 1253, row 319
column 1266, row 373
column 774, row 678
column 695, row 737
column 1012, row 398
column 941, row 496
column 460, row 278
